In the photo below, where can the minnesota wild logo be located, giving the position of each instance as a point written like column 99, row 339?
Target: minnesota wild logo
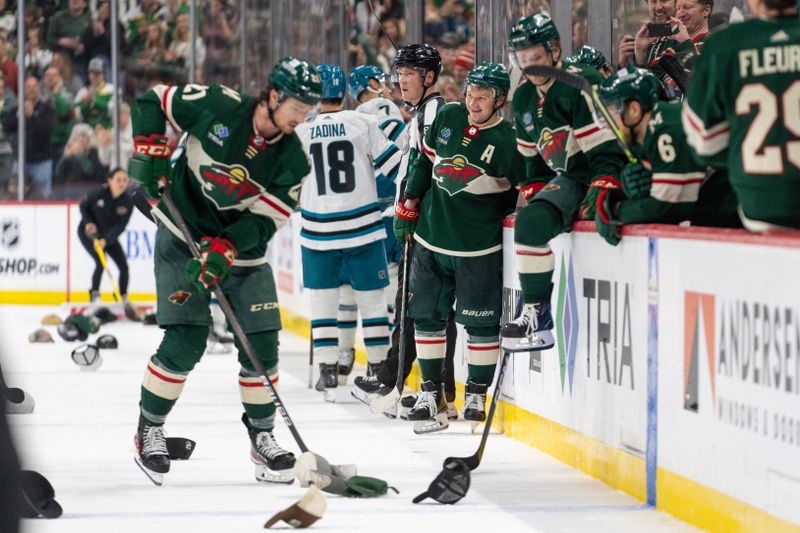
column 554, row 147
column 227, row 186
column 454, row 174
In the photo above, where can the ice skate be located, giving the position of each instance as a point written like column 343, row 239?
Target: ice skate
column 273, row 463
column 475, row 402
column 365, row 389
column 531, row 330
column 429, row 413
column 151, row 451
column 328, row 381
column 346, row 360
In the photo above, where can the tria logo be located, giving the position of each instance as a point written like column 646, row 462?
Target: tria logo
column 455, row 174
column 553, row 147
column 227, row 186
column 699, row 326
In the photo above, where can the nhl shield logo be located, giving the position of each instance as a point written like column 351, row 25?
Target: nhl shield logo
column 227, row 186
column 454, row 174
column 179, row 297
column 554, row 148
column 10, row 237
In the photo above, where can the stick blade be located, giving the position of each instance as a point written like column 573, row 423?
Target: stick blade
column 382, row 403
column 472, row 461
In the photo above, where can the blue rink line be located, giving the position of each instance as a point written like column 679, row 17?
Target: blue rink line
column 427, row 507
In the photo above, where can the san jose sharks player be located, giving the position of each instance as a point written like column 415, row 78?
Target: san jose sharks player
column 342, row 228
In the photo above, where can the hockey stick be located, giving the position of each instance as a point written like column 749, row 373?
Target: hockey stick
column 584, row 86
column 475, row 459
column 675, row 70
column 311, row 358
column 103, row 261
column 233, row 321
column 382, row 403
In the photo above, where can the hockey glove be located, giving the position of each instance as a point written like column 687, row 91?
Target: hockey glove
column 528, row 191
column 608, row 226
column 150, row 162
column 405, row 221
column 636, row 180
column 217, row 256
column 598, row 185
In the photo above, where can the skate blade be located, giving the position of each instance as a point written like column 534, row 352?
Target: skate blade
column 381, row 403
column 391, row 412
column 156, row 477
column 329, row 395
column 524, row 344
column 280, row 477
column 437, row 423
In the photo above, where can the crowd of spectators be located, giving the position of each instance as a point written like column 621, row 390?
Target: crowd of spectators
column 69, row 143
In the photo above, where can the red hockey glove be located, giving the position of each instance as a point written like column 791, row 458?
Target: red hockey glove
column 150, row 162
column 405, row 220
column 217, row 255
column 603, row 183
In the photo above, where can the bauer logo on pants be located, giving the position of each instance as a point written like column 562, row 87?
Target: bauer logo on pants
column 180, row 297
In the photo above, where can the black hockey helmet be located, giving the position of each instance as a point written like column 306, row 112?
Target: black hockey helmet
column 107, row 342
column 450, row 485
column 38, row 496
column 422, row 57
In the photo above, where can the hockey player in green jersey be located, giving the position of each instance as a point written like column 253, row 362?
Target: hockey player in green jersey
column 236, row 178
column 742, row 114
column 459, row 190
column 566, row 155
column 664, row 186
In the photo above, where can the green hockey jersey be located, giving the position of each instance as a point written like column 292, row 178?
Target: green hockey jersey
column 742, row 113
column 466, row 183
column 557, row 134
column 677, row 177
column 227, row 180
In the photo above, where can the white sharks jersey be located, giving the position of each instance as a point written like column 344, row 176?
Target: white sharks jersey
column 339, row 200
column 388, row 114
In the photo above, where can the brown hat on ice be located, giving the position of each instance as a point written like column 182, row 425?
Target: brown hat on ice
column 302, row 514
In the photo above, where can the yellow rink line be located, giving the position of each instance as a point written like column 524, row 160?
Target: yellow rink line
column 688, row 500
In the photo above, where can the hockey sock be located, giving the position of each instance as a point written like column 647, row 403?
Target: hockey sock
column 483, row 349
column 536, row 225
column 256, row 398
column 180, row 349
column 431, row 341
column 374, row 323
column 323, row 325
column 347, row 319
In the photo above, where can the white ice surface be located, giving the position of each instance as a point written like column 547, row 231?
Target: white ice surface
column 81, row 437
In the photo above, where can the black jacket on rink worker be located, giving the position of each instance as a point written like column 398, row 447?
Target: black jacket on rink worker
column 109, row 214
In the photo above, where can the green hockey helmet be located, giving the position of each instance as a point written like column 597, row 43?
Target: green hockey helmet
column 633, row 84
column 493, row 75
column 533, row 30
column 587, row 55
column 298, row 79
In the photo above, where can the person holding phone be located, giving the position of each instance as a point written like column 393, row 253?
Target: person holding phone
column 660, row 11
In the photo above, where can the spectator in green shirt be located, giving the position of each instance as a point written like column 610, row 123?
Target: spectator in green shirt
column 65, row 110
column 93, row 100
column 65, row 30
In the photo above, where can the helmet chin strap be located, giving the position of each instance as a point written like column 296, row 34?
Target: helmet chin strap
column 424, row 88
column 632, row 127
